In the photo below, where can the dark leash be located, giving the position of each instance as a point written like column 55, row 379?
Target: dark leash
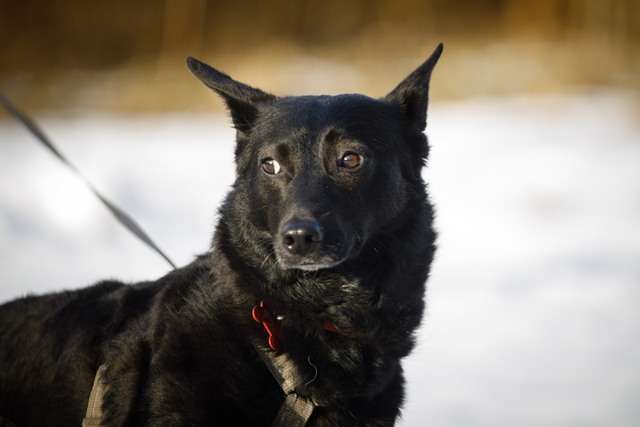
column 295, row 410
column 121, row 216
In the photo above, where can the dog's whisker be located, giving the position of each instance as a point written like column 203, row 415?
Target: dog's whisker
column 315, row 373
column 264, row 262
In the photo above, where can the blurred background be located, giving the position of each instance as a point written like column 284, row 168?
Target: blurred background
column 534, row 123
column 129, row 56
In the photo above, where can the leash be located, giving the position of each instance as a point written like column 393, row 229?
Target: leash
column 121, row 216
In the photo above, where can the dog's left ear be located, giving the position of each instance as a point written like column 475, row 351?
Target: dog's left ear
column 242, row 100
column 412, row 94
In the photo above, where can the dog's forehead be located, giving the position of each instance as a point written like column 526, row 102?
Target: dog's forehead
column 357, row 115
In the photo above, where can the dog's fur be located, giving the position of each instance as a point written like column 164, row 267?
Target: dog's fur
column 178, row 349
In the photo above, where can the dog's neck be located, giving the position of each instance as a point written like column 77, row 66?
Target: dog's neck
column 271, row 321
column 393, row 262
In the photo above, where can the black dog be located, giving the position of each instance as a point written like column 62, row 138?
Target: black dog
column 325, row 240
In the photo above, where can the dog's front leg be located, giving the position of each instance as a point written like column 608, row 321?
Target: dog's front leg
column 169, row 420
column 172, row 400
column 169, row 409
column 327, row 417
column 380, row 410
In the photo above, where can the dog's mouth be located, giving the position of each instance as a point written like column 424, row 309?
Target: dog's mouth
column 310, row 265
column 323, row 259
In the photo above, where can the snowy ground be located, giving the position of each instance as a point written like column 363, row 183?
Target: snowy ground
column 533, row 313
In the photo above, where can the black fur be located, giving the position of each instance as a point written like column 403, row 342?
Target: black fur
column 179, row 350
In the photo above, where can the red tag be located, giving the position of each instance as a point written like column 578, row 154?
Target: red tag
column 261, row 315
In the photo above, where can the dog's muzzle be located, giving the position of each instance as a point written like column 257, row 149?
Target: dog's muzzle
column 304, row 245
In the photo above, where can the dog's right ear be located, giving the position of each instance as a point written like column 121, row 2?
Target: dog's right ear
column 242, row 100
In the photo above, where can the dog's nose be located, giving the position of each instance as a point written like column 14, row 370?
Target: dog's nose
column 300, row 236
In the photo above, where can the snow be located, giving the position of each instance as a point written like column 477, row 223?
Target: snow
column 532, row 317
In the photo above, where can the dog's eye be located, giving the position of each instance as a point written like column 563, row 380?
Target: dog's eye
column 270, row 166
column 350, row 160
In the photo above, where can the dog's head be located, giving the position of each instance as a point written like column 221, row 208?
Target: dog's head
column 321, row 175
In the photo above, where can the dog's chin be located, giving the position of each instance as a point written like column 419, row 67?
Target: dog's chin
column 317, row 262
column 309, row 265
column 312, row 263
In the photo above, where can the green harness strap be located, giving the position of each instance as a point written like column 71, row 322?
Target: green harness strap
column 94, row 416
column 294, row 412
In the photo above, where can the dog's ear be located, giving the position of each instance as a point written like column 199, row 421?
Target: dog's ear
column 412, row 94
column 242, row 100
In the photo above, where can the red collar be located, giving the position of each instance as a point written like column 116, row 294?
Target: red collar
column 261, row 314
